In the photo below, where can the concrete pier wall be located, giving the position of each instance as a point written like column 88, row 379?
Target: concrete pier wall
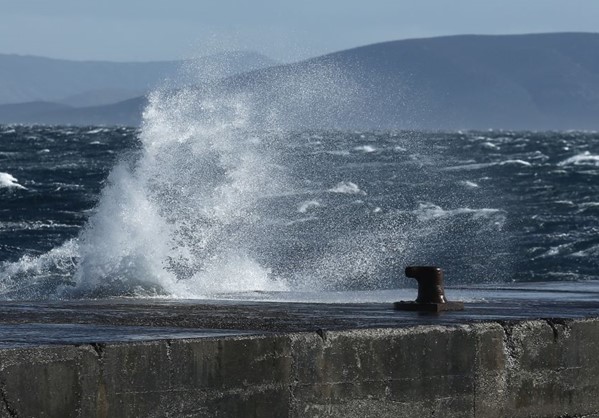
column 492, row 369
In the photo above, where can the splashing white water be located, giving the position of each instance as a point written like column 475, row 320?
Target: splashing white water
column 9, row 182
column 181, row 218
column 346, row 187
column 586, row 158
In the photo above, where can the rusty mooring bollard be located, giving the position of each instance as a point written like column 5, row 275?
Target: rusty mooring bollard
column 431, row 293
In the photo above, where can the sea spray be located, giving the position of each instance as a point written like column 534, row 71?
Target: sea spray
column 182, row 217
column 228, row 192
column 262, row 213
column 521, row 223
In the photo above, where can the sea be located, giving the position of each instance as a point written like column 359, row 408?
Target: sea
column 201, row 210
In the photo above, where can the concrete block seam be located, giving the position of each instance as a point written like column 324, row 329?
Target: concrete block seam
column 560, row 326
column 4, row 398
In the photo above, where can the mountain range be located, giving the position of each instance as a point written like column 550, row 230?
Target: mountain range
column 536, row 81
column 91, row 83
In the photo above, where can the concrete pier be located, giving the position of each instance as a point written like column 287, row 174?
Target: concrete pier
column 126, row 358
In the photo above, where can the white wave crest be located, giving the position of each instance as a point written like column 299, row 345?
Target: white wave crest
column 8, row 181
column 469, row 184
column 38, row 277
column 346, row 187
column 478, row 166
column 367, row 149
column 516, row 162
column 586, row 158
column 307, row 205
column 182, row 217
column 429, row 211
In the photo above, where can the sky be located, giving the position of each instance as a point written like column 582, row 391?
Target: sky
column 146, row 30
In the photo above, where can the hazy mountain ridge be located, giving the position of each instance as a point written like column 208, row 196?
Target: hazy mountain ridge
column 33, row 79
column 540, row 81
column 100, row 97
column 537, row 81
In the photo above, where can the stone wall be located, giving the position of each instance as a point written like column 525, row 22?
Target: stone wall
column 495, row 369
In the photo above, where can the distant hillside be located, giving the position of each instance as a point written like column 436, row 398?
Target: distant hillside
column 541, row 81
column 101, row 97
column 33, row 79
column 27, row 111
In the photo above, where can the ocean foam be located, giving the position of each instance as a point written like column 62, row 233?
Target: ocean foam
column 469, row 184
column 586, row 158
column 8, row 181
column 428, row 211
column 38, row 277
column 365, row 149
column 182, row 217
column 592, row 251
column 475, row 166
column 489, row 145
column 307, row 205
column 516, row 162
column 346, row 187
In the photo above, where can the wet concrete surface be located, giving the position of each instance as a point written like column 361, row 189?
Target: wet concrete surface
column 123, row 320
column 520, row 351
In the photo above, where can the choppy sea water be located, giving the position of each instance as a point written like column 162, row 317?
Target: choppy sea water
column 116, row 211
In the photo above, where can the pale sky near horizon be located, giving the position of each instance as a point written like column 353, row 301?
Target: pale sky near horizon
column 143, row 30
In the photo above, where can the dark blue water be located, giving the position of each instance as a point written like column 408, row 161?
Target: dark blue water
column 349, row 210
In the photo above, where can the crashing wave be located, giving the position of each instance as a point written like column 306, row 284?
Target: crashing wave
column 7, row 181
column 346, row 187
column 586, row 158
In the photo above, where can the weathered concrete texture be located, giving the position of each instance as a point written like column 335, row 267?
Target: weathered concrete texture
column 520, row 369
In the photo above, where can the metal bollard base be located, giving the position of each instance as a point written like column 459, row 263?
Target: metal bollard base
column 428, row 307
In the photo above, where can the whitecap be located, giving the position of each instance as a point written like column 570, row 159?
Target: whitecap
column 489, row 145
column 346, row 187
column 33, row 226
column 588, row 207
column 429, row 211
column 538, row 155
column 96, row 131
column 586, row 158
column 365, row 149
column 307, row 205
column 475, row 166
column 468, row 183
column 8, row 181
column 555, row 251
column 516, row 162
column 589, row 252
column 60, row 261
